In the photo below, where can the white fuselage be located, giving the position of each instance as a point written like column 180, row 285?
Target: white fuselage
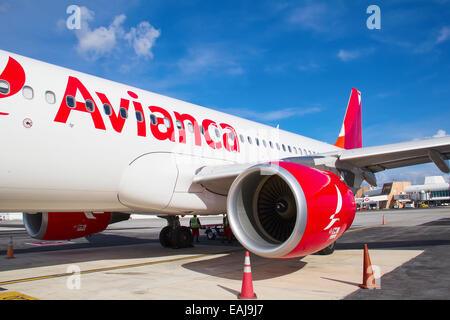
column 54, row 158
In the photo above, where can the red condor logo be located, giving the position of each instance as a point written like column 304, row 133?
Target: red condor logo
column 229, row 139
column 14, row 75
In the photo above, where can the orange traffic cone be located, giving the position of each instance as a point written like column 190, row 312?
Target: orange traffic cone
column 384, row 221
column 368, row 276
column 10, row 252
column 247, row 284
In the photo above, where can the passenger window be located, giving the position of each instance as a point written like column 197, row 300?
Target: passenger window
column 289, row 148
column 257, row 141
column 28, row 92
column 153, row 120
column 249, row 140
column 50, row 97
column 107, row 109
column 264, row 143
column 179, row 124
column 217, row 132
column 202, row 130
column 90, row 106
column 242, row 138
column 70, row 101
column 190, row 127
column 139, row 116
column 284, row 147
column 4, row 87
column 271, row 144
column 278, row 146
column 295, row 150
column 123, row 113
column 167, row 122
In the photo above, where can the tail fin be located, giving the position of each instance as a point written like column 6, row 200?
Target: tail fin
column 350, row 136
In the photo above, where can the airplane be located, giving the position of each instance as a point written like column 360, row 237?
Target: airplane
column 80, row 152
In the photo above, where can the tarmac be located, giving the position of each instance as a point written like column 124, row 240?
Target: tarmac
column 126, row 262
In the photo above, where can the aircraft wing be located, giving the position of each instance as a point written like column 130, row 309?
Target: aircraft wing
column 397, row 155
column 373, row 159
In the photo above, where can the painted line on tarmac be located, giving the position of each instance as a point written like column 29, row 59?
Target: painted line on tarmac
column 389, row 223
column 52, row 276
column 13, row 295
column 362, row 228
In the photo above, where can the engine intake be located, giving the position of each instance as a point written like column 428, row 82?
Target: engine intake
column 286, row 210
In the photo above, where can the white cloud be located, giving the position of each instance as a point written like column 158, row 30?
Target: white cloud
column 444, row 34
column 275, row 115
column 440, row 133
column 416, row 174
column 210, row 58
column 348, row 55
column 312, row 16
column 102, row 41
column 143, row 38
column 4, row 7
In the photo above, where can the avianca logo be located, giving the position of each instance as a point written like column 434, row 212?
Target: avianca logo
column 338, row 209
column 161, row 118
column 13, row 76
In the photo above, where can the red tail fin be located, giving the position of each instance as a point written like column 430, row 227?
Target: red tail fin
column 350, row 136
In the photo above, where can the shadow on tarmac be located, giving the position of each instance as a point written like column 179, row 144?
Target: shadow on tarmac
column 231, row 266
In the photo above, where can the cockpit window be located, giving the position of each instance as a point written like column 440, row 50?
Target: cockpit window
column 4, row 87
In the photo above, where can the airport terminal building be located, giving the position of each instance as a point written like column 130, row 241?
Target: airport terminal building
column 434, row 191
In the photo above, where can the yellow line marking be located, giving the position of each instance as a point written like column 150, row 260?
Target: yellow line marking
column 113, row 268
column 13, row 295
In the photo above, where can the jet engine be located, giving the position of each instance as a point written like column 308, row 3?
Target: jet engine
column 287, row 210
column 68, row 225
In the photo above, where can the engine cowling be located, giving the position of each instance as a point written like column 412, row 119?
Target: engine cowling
column 68, row 225
column 287, row 210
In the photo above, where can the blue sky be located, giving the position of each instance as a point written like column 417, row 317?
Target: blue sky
column 291, row 63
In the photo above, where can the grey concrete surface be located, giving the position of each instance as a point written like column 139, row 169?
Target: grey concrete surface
column 126, row 261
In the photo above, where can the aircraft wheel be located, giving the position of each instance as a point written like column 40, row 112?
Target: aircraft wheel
column 165, row 237
column 210, row 234
column 184, row 237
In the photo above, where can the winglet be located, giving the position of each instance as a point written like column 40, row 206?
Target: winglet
column 350, row 136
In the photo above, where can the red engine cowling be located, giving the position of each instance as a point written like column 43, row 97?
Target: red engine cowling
column 65, row 225
column 287, row 210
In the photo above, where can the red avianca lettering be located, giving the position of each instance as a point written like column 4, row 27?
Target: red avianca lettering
column 229, row 141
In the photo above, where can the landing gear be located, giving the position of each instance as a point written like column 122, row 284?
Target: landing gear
column 328, row 250
column 175, row 236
